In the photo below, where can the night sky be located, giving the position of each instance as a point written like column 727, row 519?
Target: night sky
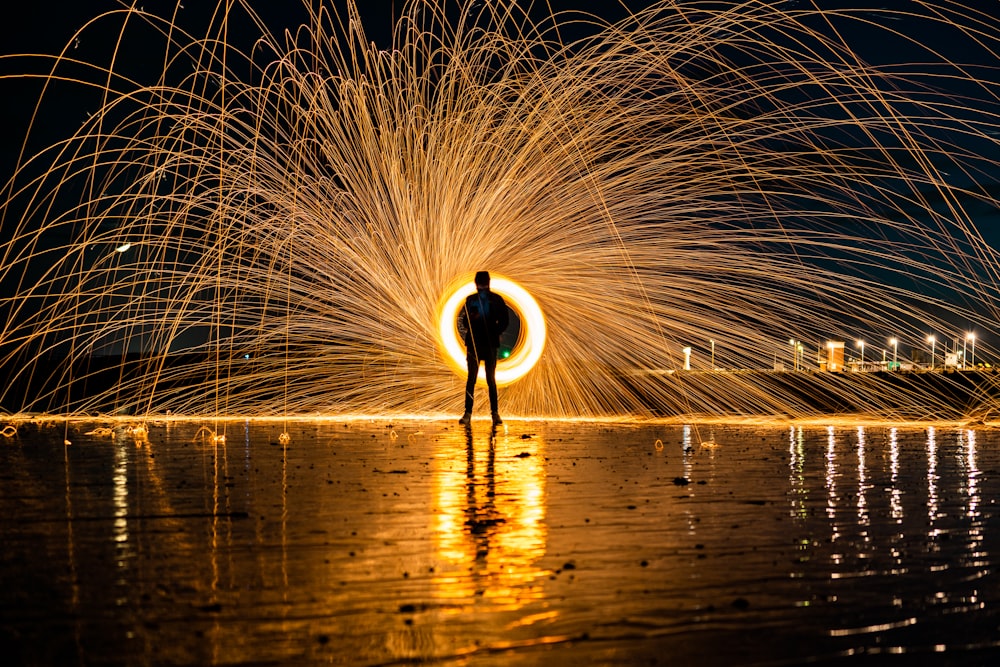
column 46, row 27
column 49, row 27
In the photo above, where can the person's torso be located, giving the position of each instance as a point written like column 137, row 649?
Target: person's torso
column 482, row 314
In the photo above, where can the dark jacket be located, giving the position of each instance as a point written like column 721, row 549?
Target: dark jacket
column 483, row 329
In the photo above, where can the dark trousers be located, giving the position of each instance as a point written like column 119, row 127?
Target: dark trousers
column 489, row 358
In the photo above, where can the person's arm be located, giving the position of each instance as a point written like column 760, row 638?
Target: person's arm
column 503, row 318
column 463, row 322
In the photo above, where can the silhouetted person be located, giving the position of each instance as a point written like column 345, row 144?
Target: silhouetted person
column 481, row 321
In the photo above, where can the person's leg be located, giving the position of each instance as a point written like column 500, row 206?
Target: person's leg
column 491, row 381
column 472, row 362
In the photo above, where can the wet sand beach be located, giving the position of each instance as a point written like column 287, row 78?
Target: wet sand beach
column 385, row 543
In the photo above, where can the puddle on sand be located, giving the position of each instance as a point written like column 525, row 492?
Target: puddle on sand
column 388, row 543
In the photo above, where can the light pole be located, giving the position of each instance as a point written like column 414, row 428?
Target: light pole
column 933, row 342
column 861, row 344
column 687, row 358
column 971, row 337
column 795, row 355
column 894, row 343
column 713, row 353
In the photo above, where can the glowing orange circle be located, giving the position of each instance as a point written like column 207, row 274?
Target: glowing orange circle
column 529, row 347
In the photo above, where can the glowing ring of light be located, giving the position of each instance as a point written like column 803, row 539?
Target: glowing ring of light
column 531, row 342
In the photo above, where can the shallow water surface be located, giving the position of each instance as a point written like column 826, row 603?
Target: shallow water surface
column 378, row 543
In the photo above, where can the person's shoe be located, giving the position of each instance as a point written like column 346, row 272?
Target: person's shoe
column 496, row 419
column 466, row 418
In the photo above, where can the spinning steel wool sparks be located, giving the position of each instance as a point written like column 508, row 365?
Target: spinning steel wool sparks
column 284, row 228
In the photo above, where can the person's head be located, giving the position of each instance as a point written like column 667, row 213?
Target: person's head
column 482, row 280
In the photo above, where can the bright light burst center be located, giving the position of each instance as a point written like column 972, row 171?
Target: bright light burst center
column 530, row 343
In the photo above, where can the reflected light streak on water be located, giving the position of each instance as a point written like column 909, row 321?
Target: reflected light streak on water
column 863, row 486
column 687, row 448
column 120, row 480
column 796, row 478
column 970, row 445
column 896, row 500
column 978, row 556
column 121, row 535
column 831, row 481
column 687, row 467
column 932, row 479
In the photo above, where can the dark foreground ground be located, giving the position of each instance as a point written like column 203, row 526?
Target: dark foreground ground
column 373, row 543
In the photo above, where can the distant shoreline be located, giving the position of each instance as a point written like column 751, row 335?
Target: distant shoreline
column 104, row 383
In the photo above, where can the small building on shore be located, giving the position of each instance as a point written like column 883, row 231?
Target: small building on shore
column 834, row 357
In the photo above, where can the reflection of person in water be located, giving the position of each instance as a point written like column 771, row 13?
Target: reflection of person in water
column 482, row 516
column 480, row 322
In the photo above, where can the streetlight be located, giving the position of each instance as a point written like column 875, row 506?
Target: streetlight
column 713, row 353
column 933, row 342
column 687, row 358
column 894, row 343
column 795, row 355
column 861, row 344
column 971, row 337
